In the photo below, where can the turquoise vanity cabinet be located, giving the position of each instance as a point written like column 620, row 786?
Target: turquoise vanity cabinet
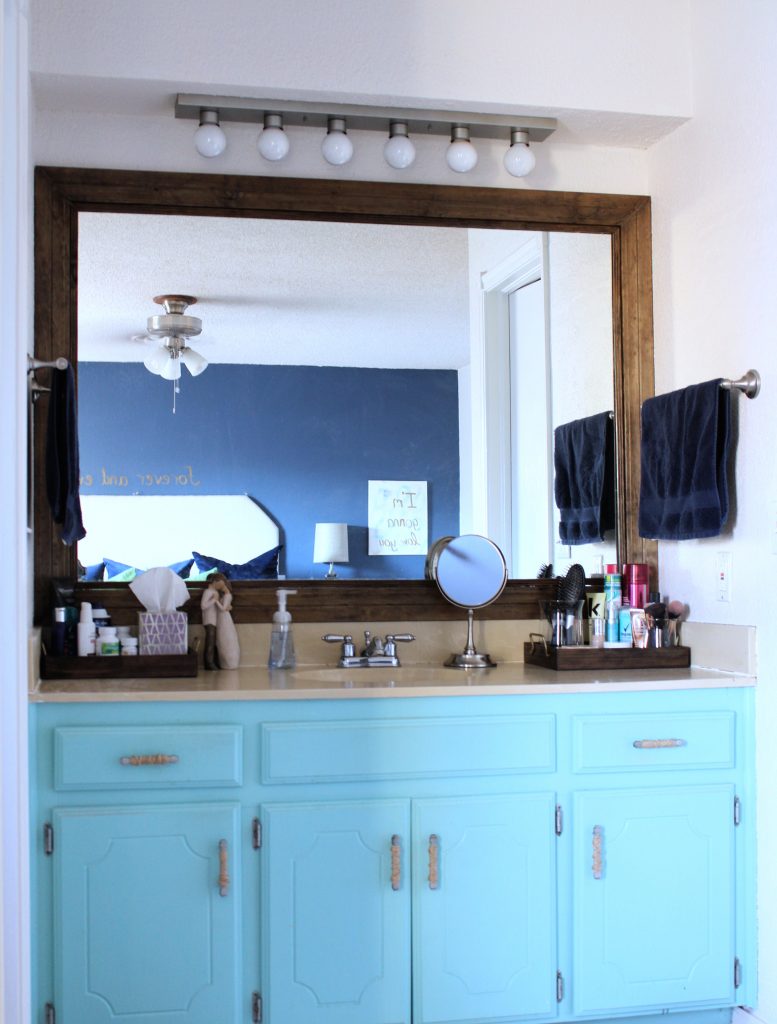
column 406, row 860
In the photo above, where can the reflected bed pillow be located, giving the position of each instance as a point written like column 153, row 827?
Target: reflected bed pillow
column 262, row 567
column 92, row 573
column 120, row 572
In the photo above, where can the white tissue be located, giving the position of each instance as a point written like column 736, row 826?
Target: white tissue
column 160, row 589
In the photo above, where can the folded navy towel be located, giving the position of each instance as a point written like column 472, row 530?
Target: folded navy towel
column 583, row 459
column 683, row 489
column 62, row 468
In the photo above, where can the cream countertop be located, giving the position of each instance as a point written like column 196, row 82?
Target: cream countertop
column 260, row 684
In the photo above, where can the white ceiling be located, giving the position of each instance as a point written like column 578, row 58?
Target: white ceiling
column 272, row 291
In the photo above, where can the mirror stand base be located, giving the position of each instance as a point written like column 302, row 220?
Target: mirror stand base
column 470, row 660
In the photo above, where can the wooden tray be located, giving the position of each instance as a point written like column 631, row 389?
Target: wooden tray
column 562, row 659
column 139, row 666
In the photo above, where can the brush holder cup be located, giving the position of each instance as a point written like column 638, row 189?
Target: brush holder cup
column 563, row 623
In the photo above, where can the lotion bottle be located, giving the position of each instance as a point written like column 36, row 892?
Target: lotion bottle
column 281, row 638
column 87, row 634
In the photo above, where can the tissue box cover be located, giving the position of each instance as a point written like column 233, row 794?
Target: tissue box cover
column 163, row 632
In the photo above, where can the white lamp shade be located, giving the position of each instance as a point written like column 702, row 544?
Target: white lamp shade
column 193, row 361
column 157, row 360
column 331, row 542
column 171, row 369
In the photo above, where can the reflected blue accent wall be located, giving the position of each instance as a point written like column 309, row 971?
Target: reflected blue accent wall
column 301, row 440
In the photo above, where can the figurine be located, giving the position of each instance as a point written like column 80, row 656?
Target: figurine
column 222, row 649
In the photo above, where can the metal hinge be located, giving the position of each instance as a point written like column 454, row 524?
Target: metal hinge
column 256, row 834
column 50, row 1014
column 737, row 972
column 559, row 986
column 48, row 841
column 737, row 810
column 559, row 820
column 256, row 1008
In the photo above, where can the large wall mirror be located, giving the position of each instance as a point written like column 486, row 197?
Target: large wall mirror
column 355, row 332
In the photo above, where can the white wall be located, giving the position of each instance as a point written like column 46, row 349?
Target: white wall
column 715, row 253
column 15, row 200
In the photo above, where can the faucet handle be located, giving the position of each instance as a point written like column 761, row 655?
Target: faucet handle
column 341, row 638
column 393, row 638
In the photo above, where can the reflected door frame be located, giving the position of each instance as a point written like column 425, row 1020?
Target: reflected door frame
column 493, row 421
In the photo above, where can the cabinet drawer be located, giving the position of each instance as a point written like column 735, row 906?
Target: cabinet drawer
column 340, row 751
column 147, row 757
column 652, row 742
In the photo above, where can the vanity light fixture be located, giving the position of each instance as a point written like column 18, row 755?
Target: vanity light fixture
column 399, row 151
column 209, row 139
column 336, row 147
column 273, row 141
column 519, row 159
column 461, row 156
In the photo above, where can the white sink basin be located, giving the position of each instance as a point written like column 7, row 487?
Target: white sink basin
column 376, row 676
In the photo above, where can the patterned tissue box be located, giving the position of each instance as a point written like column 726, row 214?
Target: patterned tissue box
column 163, row 632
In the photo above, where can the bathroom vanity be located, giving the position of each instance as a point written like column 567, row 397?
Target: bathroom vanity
column 419, row 846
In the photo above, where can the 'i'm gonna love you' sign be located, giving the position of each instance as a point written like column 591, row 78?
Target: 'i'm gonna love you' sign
column 397, row 517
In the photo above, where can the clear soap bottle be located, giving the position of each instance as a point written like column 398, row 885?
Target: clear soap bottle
column 282, row 639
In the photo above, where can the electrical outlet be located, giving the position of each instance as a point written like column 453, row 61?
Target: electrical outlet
column 723, row 576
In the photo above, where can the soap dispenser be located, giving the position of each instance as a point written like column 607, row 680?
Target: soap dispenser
column 282, row 639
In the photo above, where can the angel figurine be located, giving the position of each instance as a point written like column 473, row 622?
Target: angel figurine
column 222, row 649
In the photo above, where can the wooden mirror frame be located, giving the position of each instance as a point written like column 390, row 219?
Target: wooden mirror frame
column 62, row 192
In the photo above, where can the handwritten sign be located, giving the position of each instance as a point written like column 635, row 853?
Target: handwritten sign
column 397, row 517
column 183, row 477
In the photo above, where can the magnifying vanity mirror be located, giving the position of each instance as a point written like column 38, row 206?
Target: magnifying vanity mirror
column 471, row 573
column 74, row 205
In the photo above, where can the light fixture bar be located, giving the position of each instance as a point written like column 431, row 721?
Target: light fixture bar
column 362, row 117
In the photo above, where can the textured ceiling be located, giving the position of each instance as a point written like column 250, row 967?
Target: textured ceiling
column 272, row 291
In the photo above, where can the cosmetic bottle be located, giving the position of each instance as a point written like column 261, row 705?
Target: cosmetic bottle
column 86, row 631
column 129, row 645
column 108, row 642
column 612, row 604
column 57, row 643
column 100, row 617
column 281, row 638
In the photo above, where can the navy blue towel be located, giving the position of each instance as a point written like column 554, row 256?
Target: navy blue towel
column 62, row 469
column 683, row 490
column 583, row 459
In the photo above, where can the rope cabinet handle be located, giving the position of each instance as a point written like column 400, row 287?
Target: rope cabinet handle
column 396, row 862
column 136, row 760
column 434, row 861
column 223, row 868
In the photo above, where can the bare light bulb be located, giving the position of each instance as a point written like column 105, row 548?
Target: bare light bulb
column 209, row 139
column 273, row 143
column 337, row 148
column 399, row 151
column 461, row 155
column 519, row 159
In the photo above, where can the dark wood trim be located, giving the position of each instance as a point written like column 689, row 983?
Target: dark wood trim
column 62, row 192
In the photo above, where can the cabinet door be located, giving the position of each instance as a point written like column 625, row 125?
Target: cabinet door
column 484, row 914
column 653, row 898
column 142, row 930
column 336, row 912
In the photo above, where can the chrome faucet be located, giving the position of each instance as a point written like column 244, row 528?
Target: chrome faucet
column 376, row 652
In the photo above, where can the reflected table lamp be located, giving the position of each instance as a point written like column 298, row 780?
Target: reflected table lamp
column 331, row 545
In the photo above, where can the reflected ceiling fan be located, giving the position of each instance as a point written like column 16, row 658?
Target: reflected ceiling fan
column 169, row 333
